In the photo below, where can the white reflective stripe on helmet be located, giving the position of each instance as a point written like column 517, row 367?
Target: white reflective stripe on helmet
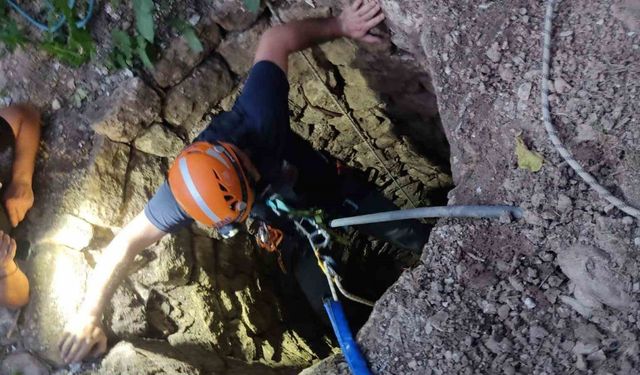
column 195, row 194
column 218, row 155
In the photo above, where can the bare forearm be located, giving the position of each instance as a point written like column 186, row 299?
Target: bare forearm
column 26, row 150
column 105, row 278
column 299, row 35
column 114, row 263
column 14, row 287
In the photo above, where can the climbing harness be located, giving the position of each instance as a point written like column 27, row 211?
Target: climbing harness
column 318, row 239
column 270, row 238
column 352, row 121
column 553, row 134
column 483, row 212
column 308, row 224
column 81, row 24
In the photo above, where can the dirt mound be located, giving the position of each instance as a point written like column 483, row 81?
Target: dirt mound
column 557, row 293
column 194, row 303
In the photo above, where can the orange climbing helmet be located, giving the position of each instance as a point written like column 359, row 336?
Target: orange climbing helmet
column 211, row 185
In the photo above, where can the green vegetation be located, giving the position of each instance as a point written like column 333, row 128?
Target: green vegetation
column 140, row 46
column 70, row 44
column 252, row 6
column 75, row 46
column 10, row 34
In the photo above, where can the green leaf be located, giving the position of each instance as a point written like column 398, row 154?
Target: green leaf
column 142, row 52
column 527, row 159
column 122, row 43
column 10, row 35
column 192, row 40
column 144, row 18
column 252, row 6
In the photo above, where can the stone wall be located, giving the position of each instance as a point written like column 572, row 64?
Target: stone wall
column 193, row 303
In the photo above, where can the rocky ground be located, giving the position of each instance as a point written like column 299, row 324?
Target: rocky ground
column 194, row 303
column 556, row 293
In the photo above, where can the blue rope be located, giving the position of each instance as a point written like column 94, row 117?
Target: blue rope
column 81, row 24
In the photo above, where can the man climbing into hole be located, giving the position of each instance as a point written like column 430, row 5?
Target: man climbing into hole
column 243, row 158
column 20, row 131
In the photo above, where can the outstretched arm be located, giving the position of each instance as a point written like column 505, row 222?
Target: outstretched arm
column 355, row 22
column 25, row 124
column 84, row 336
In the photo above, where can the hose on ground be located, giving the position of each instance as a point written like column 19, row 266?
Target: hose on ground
column 553, row 134
column 81, row 24
column 478, row 212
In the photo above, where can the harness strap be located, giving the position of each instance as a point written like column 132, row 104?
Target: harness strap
column 269, row 238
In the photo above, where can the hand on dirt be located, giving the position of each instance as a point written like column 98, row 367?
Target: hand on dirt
column 7, row 249
column 359, row 18
column 83, row 338
column 18, row 200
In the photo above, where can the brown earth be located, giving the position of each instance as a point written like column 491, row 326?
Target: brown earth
column 558, row 292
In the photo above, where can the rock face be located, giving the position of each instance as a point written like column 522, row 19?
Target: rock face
column 588, row 268
column 103, row 186
column 188, row 102
column 232, row 14
column 125, row 358
column 127, row 313
column 22, row 363
column 146, row 174
column 239, row 47
column 169, row 262
column 504, row 274
column 123, row 115
column 8, row 326
column 57, row 276
column 179, row 59
column 159, row 141
column 70, row 231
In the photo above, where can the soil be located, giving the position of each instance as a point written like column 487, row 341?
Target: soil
column 557, row 292
column 194, row 303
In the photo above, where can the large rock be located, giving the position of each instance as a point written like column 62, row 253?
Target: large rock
column 360, row 98
column 103, row 186
column 199, row 320
column 178, row 60
column 340, row 52
column 232, row 14
column 146, row 174
column 257, row 309
column 205, row 258
column 126, row 313
column 58, row 278
column 239, row 47
column 591, row 271
column 299, row 10
column 188, row 102
column 405, row 20
column 22, row 363
column 157, row 358
column 122, row 116
column 8, row 326
column 160, row 141
column 166, row 264
column 66, row 230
